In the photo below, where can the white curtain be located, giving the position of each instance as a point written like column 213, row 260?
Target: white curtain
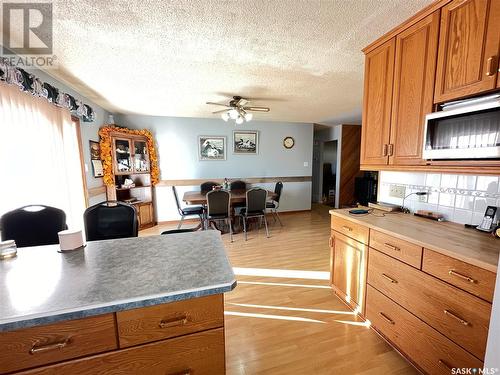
column 39, row 156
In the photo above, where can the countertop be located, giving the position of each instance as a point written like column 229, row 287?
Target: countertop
column 469, row 245
column 42, row 286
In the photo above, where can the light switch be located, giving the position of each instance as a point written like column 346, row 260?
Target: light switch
column 306, row 164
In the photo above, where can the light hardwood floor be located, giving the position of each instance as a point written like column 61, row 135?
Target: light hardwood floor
column 280, row 322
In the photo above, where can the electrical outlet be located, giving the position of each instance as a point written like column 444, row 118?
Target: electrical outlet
column 422, row 198
column 397, row 191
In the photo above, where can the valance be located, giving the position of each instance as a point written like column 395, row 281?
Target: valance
column 31, row 84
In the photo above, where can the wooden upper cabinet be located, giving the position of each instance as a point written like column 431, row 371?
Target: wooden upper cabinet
column 414, row 72
column 468, row 49
column 379, row 76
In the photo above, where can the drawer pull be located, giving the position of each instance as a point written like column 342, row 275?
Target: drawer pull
column 386, row 318
column 345, row 227
column 53, row 346
column 445, row 365
column 183, row 372
column 450, row 314
column 392, row 247
column 389, row 278
column 463, row 277
column 174, row 322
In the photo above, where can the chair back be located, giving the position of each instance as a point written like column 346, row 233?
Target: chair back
column 238, row 185
column 33, row 225
column 174, row 190
column 109, row 220
column 207, row 186
column 218, row 202
column 256, row 200
column 278, row 188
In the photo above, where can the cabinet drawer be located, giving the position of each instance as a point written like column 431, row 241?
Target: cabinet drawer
column 350, row 229
column 456, row 314
column 159, row 322
column 403, row 250
column 42, row 345
column 430, row 350
column 199, row 353
column 475, row 280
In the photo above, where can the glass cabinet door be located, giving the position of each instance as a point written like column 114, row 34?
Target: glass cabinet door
column 141, row 159
column 123, row 156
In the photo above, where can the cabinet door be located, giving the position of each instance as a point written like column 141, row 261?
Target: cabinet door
column 141, row 157
column 145, row 214
column 349, row 269
column 468, row 49
column 414, row 72
column 379, row 74
column 123, row 155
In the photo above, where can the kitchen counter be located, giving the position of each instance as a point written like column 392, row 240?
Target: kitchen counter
column 469, row 245
column 42, row 286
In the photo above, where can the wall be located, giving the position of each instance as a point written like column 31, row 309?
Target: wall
column 177, row 142
column 461, row 198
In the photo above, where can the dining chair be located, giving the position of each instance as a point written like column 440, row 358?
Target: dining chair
column 207, row 186
column 33, row 225
column 187, row 211
column 275, row 203
column 219, row 208
column 255, row 208
column 110, row 220
column 238, row 185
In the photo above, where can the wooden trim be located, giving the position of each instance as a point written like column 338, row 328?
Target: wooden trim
column 76, row 121
column 463, row 169
column 437, row 4
column 250, row 180
column 95, row 191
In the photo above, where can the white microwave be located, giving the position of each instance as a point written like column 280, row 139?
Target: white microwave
column 468, row 129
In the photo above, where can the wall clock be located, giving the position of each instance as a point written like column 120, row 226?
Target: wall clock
column 288, row 142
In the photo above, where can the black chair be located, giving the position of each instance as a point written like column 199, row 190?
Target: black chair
column 109, row 220
column 207, row 186
column 255, row 208
column 174, row 231
column 238, row 185
column 187, row 211
column 275, row 203
column 33, row 225
column 219, row 208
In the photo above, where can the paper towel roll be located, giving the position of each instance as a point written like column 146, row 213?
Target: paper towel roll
column 70, row 239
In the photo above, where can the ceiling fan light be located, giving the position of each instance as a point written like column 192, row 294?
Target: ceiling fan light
column 233, row 114
column 239, row 120
column 248, row 116
column 225, row 116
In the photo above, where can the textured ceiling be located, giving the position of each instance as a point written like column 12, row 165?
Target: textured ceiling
column 301, row 58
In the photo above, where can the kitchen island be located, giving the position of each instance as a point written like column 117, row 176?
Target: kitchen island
column 126, row 306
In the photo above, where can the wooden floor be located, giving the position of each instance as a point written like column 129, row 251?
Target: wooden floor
column 284, row 322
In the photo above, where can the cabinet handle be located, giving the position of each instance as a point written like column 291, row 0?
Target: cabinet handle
column 391, row 149
column 392, row 247
column 345, row 227
column 445, row 365
column 53, row 346
column 183, row 372
column 173, row 322
column 389, row 278
column 463, row 277
column 330, row 242
column 384, row 150
column 386, row 318
column 490, row 69
column 457, row 318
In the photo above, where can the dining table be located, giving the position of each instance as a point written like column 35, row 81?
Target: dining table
column 237, row 196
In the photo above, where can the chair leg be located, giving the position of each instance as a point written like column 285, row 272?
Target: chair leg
column 278, row 216
column 230, row 229
column 180, row 222
column 265, row 223
column 245, row 227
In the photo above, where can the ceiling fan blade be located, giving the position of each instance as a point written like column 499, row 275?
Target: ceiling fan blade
column 257, row 109
column 223, row 105
column 220, row 110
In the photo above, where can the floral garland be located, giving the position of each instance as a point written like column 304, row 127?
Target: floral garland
column 107, row 152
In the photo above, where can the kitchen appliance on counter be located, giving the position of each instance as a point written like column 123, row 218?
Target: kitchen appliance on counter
column 466, row 129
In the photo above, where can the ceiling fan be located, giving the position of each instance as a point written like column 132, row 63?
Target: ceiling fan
column 238, row 110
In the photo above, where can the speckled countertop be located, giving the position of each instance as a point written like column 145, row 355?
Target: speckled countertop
column 42, row 286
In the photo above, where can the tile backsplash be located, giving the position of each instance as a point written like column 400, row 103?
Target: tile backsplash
column 460, row 198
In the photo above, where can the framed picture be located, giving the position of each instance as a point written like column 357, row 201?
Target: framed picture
column 211, row 147
column 245, row 142
column 95, row 150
